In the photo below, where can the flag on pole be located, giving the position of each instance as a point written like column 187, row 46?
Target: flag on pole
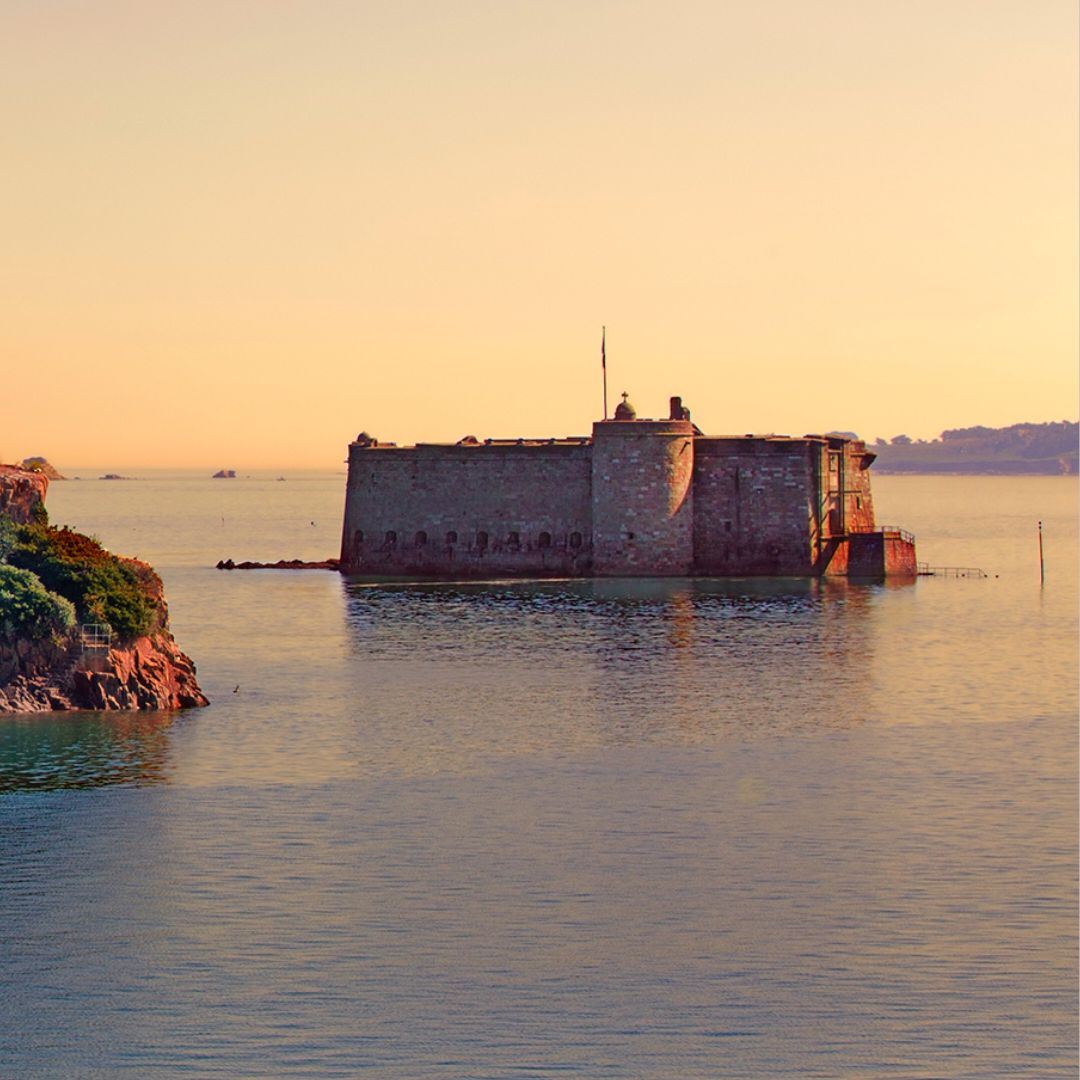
column 603, row 363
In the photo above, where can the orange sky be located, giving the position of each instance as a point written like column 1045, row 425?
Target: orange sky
column 237, row 233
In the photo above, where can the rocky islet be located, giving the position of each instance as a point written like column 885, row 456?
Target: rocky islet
column 83, row 668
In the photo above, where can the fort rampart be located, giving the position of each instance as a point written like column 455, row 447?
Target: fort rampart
column 639, row 498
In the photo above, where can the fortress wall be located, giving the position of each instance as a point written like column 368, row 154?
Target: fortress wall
column 404, row 507
column 899, row 559
column 847, row 547
column 879, row 555
column 859, row 506
column 646, row 498
column 643, row 499
column 754, row 506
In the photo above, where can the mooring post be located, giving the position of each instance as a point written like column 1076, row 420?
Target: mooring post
column 1042, row 564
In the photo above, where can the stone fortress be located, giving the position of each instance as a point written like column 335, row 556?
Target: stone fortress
column 639, row 498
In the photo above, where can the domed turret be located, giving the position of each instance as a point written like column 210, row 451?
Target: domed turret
column 624, row 410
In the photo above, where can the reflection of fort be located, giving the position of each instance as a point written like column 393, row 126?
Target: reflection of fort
column 744, row 654
column 639, row 498
column 84, row 750
column 573, row 663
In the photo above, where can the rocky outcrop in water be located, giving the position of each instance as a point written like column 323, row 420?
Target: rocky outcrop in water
column 40, row 465
column 22, row 492
column 55, row 652
column 150, row 673
column 281, row 564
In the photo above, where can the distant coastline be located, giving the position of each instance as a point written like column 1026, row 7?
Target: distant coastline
column 1019, row 450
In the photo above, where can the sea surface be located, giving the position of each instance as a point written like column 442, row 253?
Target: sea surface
column 669, row 828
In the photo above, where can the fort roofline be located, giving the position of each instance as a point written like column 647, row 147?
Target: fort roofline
column 635, row 427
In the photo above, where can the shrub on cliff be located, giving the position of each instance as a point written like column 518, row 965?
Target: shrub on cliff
column 8, row 537
column 102, row 587
column 28, row 609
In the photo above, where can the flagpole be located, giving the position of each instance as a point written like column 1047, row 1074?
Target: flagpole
column 603, row 363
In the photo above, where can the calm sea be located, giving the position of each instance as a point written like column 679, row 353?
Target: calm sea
column 612, row 829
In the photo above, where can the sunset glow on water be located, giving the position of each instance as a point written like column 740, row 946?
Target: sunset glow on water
column 657, row 828
column 553, row 287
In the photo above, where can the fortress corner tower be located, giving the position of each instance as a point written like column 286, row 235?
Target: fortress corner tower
column 642, row 496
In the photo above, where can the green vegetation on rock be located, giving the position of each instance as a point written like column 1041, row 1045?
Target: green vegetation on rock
column 28, row 609
column 101, row 587
column 7, row 537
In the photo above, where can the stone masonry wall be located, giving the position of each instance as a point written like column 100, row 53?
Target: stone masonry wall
column 859, row 506
column 643, row 498
column 754, row 502
column 847, row 546
column 469, row 511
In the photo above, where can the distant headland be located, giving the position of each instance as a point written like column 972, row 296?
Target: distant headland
column 80, row 628
column 40, row 465
column 1019, row 450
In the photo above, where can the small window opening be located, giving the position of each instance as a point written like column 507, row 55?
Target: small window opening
column 421, row 538
column 391, row 538
column 575, row 539
column 727, row 526
column 545, row 539
column 629, row 536
column 514, row 539
column 358, row 537
column 451, row 537
column 481, row 540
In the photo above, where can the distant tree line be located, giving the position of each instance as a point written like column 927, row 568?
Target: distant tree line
column 1046, row 449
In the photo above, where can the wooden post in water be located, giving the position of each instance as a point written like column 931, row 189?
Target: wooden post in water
column 1042, row 565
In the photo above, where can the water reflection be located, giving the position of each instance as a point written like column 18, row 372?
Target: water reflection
column 424, row 679
column 567, row 664
column 84, row 750
column 612, row 619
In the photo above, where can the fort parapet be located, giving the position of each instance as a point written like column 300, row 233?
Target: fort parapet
column 639, row 498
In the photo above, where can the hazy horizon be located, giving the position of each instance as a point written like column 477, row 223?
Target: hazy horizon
column 277, row 466
column 241, row 235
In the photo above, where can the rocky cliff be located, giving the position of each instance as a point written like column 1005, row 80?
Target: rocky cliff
column 149, row 673
column 65, row 664
column 22, row 492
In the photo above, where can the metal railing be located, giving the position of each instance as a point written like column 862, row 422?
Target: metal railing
column 895, row 530
column 926, row 570
column 886, row 530
column 95, row 636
